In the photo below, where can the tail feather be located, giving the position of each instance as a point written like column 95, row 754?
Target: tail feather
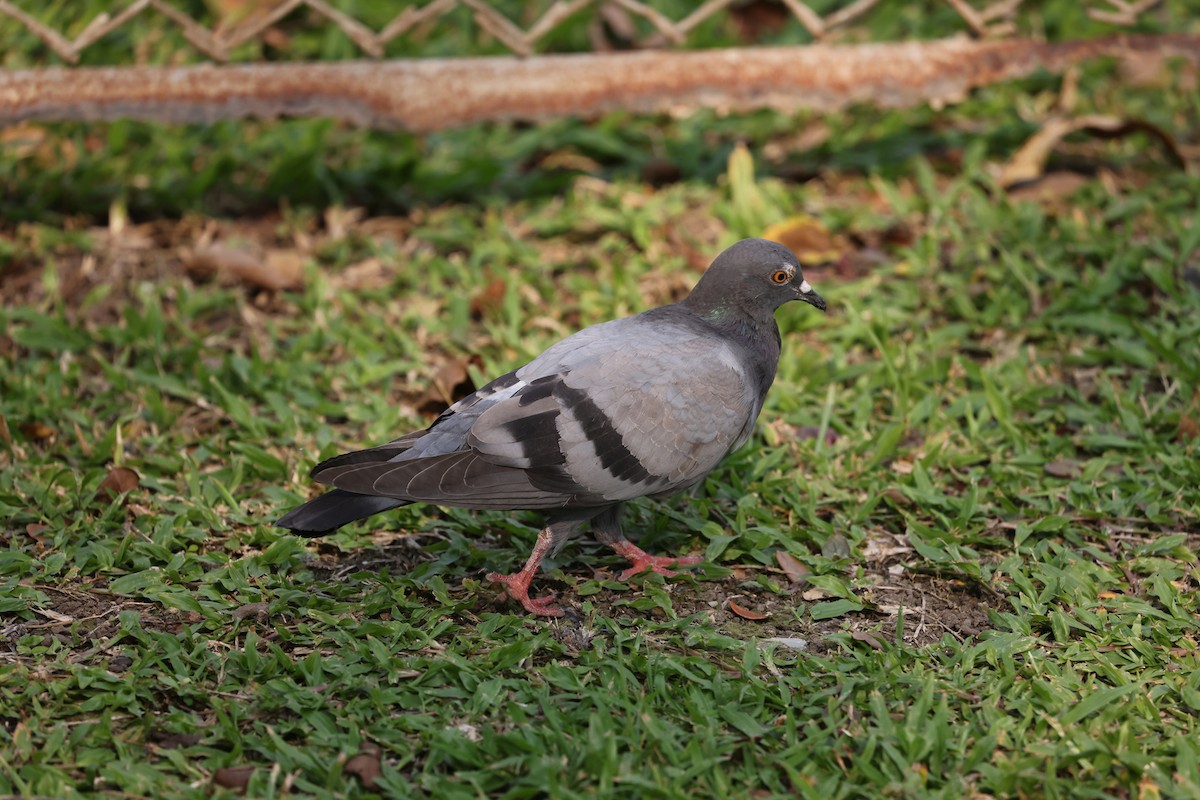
column 334, row 509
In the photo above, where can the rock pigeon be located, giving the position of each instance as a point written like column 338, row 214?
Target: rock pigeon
column 644, row 406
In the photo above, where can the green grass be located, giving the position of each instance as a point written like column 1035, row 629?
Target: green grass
column 1002, row 530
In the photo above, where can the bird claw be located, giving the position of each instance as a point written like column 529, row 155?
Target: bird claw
column 517, row 587
column 644, row 561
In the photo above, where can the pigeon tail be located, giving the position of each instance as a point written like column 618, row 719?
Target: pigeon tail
column 334, row 509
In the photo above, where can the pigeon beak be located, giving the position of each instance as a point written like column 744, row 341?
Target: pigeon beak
column 807, row 294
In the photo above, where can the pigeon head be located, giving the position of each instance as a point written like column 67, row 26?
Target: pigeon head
column 755, row 276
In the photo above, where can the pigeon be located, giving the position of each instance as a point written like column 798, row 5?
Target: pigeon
column 644, row 406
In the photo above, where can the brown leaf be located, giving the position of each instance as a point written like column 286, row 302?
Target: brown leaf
column 1189, row 428
column 167, row 741
column 805, row 432
column 366, row 765
column 275, row 271
column 660, row 172
column 898, row 234
column 256, row 610
column 22, row 140
column 118, row 481
column 489, row 299
column 868, row 637
column 796, row 571
column 1063, row 468
column 1053, row 186
column 1029, row 163
column 208, row 260
column 366, row 274
column 5, row 436
column 236, row 13
column 807, row 238
column 756, row 19
column 339, row 221
column 746, row 613
column 38, row 431
column 1147, row 70
column 450, row 384
column 851, row 265
column 234, row 778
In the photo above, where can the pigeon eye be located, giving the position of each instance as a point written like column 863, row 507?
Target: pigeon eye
column 780, row 277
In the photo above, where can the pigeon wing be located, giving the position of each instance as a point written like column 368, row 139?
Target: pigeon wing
column 621, row 410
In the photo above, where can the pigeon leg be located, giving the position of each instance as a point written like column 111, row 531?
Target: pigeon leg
column 643, row 561
column 517, row 585
column 607, row 529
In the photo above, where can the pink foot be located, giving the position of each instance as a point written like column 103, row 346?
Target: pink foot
column 517, row 587
column 643, row 561
column 660, row 564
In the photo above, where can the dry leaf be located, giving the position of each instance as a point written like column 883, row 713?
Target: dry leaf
column 277, row 270
column 796, row 571
column 868, row 637
column 256, row 610
column 746, row 613
column 660, row 172
column 168, row 741
column 117, row 482
column 815, row 594
column 490, row 298
column 1146, row 70
column 807, row 238
column 898, row 234
column 1068, row 94
column 805, row 432
column 366, row 274
column 339, row 221
column 450, row 384
column 757, row 19
column 365, row 766
column 1053, row 186
column 284, row 270
column 1189, row 428
column 236, row 13
column 469, row 731
column 1063, row 468
column 30, row 140
column 22, row 140
column 5, row 436
column 567, row 159
column 234, row 778
column 1029, row 163
column 208, row 260
column 38, row 431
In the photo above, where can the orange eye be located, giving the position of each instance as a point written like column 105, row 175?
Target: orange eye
column 780, row 276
